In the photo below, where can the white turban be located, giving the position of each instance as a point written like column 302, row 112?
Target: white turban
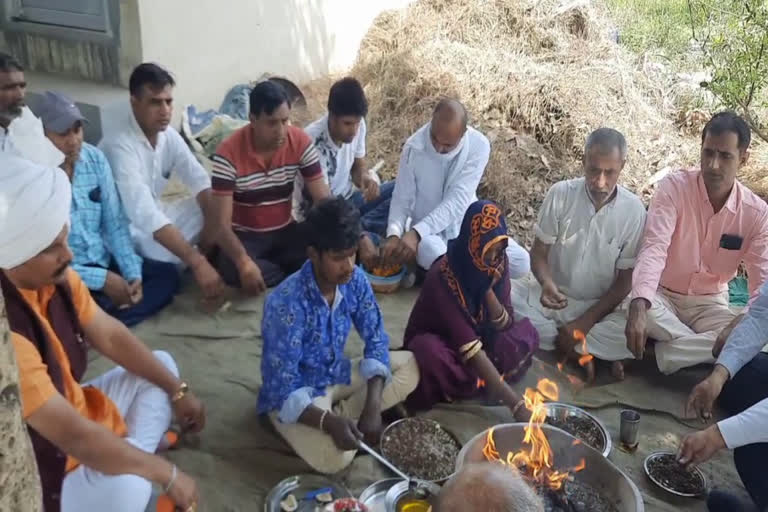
column 34, row 208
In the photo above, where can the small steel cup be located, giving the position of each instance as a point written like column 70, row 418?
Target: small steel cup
column 629, row 428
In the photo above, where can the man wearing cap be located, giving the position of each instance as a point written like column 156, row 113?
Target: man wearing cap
column 94, row 442
column 124, row 285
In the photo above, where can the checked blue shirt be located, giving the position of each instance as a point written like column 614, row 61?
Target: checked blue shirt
column 99, row 230
column 304, row 341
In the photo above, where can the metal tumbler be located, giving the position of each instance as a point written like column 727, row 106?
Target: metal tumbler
column 629, row 428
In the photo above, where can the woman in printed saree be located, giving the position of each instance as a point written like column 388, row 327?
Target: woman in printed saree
column 462, row 328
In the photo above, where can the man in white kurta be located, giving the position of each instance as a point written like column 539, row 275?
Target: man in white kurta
column 587, row 237
column 144, row 151
column 440, row 168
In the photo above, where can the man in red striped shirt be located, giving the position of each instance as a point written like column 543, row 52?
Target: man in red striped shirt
column 254, row 170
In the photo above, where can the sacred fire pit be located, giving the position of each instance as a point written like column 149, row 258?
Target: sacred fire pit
column 569, row 475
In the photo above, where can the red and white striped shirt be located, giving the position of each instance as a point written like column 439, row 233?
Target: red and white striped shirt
column 263, row 191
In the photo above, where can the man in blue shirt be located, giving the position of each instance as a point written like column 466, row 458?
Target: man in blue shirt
column 124, row 285
column 318, row 400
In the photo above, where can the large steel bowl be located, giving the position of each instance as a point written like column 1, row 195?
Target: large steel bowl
column 600, row 473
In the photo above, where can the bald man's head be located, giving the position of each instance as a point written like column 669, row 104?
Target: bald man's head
column 449, row 122
column 488, row 487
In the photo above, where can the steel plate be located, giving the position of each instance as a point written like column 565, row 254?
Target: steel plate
column 389, row 429
column 299, row 486
column 696, row 470
column 560, row 411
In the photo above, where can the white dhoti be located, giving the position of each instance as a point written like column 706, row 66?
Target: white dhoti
column 186, row 215
column 147, row 412
column 606, row 340
column 686, row 327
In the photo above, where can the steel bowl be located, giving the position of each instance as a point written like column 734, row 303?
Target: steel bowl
column 299, row 486
column 388, row 430
column 374, row 496
column 600, row 473
column 561, row 411
column 404, row 490
column 695, row 470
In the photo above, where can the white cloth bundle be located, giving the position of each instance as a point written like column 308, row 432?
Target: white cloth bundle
column 34, row 207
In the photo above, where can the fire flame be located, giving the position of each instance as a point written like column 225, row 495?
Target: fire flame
column 536, row 461
column 587, row 357
column 480, row 383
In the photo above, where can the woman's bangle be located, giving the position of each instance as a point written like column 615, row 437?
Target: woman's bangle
column 174, row 472
column 518, row 406
column 322, row 420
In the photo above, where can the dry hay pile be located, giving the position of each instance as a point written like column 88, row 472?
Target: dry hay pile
column 536, row 76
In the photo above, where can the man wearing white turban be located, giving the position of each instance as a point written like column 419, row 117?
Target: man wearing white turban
column 94, row 443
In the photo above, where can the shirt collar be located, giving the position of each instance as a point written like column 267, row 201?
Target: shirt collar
column 326, row 133
column 731, row 204
column 139, row 133
column 308, row 276
column 611, row 202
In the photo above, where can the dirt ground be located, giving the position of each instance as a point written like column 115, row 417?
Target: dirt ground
column 238, row 457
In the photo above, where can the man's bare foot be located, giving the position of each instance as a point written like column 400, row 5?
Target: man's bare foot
column 617, row 370
column 590, row 369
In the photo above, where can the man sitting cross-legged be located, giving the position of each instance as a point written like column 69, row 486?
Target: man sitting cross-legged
column 587, row 237
column 318, row 400
column 94, row 443
column 145, row 152
column 254, row 174
column 125, row 285
column 702, row 224
column 440, row 169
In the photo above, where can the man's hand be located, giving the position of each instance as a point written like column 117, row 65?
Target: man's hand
column 370, row 425
column 343, row 431
column 636, row 327
column 190, row 413
column 551, row 297
column 392, row 250
column 137, row 291
column 523, row 415
column 118, row 290
column 411, row 240
column 723, row 336
column 251, row 279
column 368, row 253
column 703, row 396
column 700, row 446
column 209, row 280
column 183, row 492
column 566, row 335
column 370, row 188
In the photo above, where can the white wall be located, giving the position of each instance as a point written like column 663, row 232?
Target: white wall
column 210, row 45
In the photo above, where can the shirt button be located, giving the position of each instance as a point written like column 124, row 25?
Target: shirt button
column 55, row 496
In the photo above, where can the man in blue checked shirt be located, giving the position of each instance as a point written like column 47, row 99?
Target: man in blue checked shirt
column 124, row 285
column 318, row 400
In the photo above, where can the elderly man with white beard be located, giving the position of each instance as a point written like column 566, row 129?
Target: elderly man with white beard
column 94, row 442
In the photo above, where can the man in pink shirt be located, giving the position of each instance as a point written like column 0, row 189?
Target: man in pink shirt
column 702, row 224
